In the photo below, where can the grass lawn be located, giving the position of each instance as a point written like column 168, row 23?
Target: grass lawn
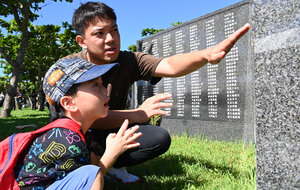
column 190, row 163
column 24, row 117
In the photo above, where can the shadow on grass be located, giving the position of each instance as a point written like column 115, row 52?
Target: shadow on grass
column 221, row 169
column 168, row 172
column 8, row 125
column 161, row 173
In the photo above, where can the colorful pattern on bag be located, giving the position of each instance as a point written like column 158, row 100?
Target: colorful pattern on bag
column 51, row 157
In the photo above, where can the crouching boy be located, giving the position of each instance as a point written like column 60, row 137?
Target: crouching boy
column 59, row 159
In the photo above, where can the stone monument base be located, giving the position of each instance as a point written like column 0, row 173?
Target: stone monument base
column 224, row 131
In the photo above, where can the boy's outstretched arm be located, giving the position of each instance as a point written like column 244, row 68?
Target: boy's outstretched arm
column 182, row 64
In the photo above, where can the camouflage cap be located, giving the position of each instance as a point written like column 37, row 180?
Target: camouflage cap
column 65, row 73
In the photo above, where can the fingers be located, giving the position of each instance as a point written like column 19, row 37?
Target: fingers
column 109, row 87
column 160, row 97
column 216, row 58
column 162, row 105
column 111, row 135
column 216, row 53
column 219, row 51
column 133, row 145
column 234, row 37
column 240, row 32
column 156, row 101
column 130, row 136
column 131, row 131
column 131, row 139
column 123, row 128
column 153, row 104
column 159, row 112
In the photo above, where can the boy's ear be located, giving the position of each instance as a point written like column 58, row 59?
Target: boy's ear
column 80, row 41
column 67, row 103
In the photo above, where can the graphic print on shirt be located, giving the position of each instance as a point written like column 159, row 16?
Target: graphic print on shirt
column 37, row 149
column 71, row 136
column 55, row 131
column 30, row 166
column 75, row 151
column 54, row 152
column 68, row 164
column 52, row 156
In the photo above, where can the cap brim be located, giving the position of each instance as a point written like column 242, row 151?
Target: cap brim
column 97, row 71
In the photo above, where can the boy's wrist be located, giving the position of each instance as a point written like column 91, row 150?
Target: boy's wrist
column 106, row 162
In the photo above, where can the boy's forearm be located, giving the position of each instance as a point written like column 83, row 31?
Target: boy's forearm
column 106, row 162
column 98, row 182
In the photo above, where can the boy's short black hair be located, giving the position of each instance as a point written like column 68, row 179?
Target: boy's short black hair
column 89, row 13
column 56, row 110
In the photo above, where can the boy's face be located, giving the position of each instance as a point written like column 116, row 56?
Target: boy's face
column 92, row 99
column 102, row 41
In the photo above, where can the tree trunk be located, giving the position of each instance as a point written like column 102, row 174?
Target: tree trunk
column 11, row 93
column 42, row 101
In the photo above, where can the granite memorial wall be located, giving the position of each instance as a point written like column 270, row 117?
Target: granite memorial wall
column 216, row 100
column 276, row 39
column 253, row 94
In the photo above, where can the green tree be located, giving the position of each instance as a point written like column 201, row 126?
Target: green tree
column 13, row 46
column 46, row 46
column 4, row 81
column 132, row 48
column 148, row 32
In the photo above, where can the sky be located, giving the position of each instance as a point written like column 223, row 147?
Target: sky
column 135, row 15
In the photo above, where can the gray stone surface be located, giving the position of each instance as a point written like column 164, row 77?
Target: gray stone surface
column 217, row 101
column 276, row 39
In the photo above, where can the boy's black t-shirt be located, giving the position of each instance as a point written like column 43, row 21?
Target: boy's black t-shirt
column 51, row 157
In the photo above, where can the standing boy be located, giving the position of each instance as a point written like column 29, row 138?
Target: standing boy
column 97, row 29
column 59, row 158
